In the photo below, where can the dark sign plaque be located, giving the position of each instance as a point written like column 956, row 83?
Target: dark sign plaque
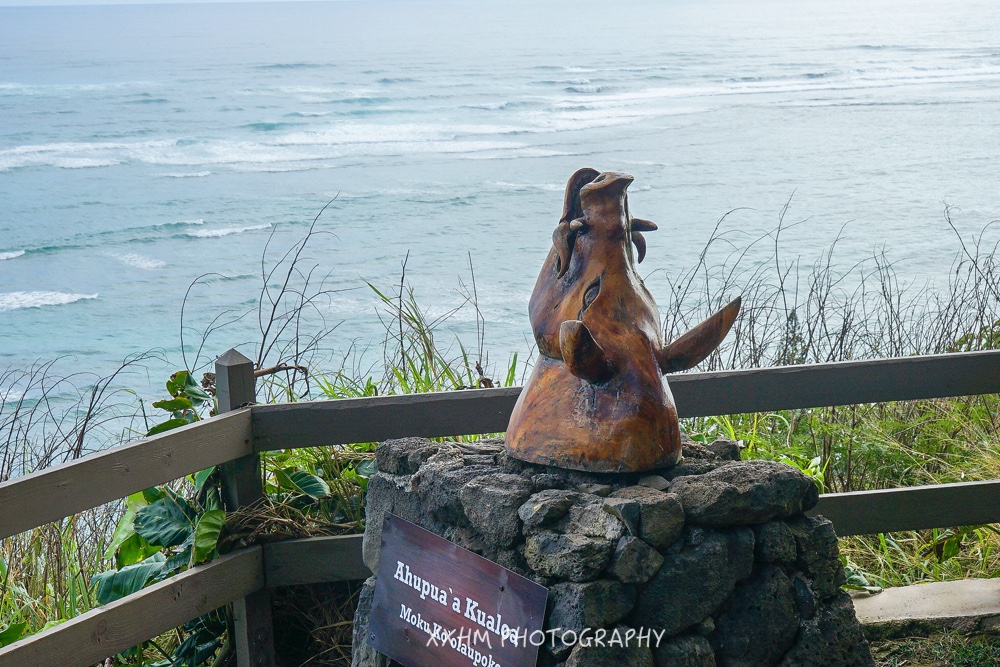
column 439, row 605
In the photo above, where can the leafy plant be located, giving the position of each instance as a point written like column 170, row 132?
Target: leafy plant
column 186, row 396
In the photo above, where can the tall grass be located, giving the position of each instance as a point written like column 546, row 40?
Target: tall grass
column 865, row 311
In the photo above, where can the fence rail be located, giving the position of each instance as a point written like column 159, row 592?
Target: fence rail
column 231, row 439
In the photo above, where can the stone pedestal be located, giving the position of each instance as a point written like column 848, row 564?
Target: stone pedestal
column 713, row 557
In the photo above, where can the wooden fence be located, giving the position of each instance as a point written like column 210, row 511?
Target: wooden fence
column 234, row 440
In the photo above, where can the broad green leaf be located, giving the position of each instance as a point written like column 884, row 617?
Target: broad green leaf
column 132, row 550
column 284, row 481
column 182, row 384
column 195, row 393
column 167, row 425
column 212, row 500
column 123, row 531
column 201, row 477
column 3, row 568
column 206, row 534
column 367, row 469
column 136, row 500
column 151, row 495
column 951, row 548
column 174, row 404
column 177, row 382
column 52, row 624
column 303, row 482
column 12, row 633
column 167, row 522
column 116, row 584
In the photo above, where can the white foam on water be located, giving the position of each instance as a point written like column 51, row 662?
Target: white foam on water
column 193, row 174
column 487, row 106
column 10, row 255
column 226, row 231
column 507, row 186
column 140, row 261
column 75, row 155
column 10, row 395
column 18, row 300
column 83, row 162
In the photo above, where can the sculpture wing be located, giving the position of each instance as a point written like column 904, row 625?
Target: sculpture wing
column 692, row 347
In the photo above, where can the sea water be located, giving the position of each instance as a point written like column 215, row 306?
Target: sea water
column 144, row 146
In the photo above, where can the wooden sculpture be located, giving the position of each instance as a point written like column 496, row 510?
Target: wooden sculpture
column 596, row 400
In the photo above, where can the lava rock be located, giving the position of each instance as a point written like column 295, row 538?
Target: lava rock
column 588, row 517
column 685, row 652
column 691, row 584
column 744, row 493
column 741, row 549
column 692, row 449
column 439, row 483
column 819, row 554
column 479, row 460
column 692, row 466
column 661, row 514
column 626, row 510
column 725, row 449
column 546, row 507
column 549, row 481
column 832, row 639
column 602, row 490
column 634, row 561
column 404, row 456
column 657, row 482
column 574, row 557
column 594, row 604
column 775, row 543
column 805, row 601
column 491, row 503
column 486, row 447
column 390, row 493
column 759, row 623
column 631, row 655
column 364, row 655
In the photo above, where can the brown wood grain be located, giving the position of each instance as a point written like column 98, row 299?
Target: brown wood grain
column 405, row 617
column 56, row 492
column 314, row 560
column 914, row 508
column 105, row 631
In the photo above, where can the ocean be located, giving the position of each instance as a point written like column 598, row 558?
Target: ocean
column 144, row 146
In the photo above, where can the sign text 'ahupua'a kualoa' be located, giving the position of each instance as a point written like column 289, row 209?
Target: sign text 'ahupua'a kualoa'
column 596, row 399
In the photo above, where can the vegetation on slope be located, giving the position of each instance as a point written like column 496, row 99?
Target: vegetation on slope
column 58, row 571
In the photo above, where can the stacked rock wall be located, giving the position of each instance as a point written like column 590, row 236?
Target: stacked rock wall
column 715, row 555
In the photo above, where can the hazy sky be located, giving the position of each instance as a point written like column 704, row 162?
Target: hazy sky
column 43, row 3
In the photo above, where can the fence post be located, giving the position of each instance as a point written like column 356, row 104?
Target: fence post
column 241, row 486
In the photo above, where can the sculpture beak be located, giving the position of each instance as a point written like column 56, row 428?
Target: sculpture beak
column 609, row 184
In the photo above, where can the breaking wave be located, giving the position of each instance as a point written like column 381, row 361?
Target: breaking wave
column 226, row 231
column 18, row 300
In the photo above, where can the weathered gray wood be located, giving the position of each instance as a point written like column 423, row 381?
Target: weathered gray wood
column 478, row 411
column 253, row 626
column 842, row 383
column 105, row 631
column 318, row 423
column 314, row 560
column 234, row 384
column 62, row 490
column 914, row 508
